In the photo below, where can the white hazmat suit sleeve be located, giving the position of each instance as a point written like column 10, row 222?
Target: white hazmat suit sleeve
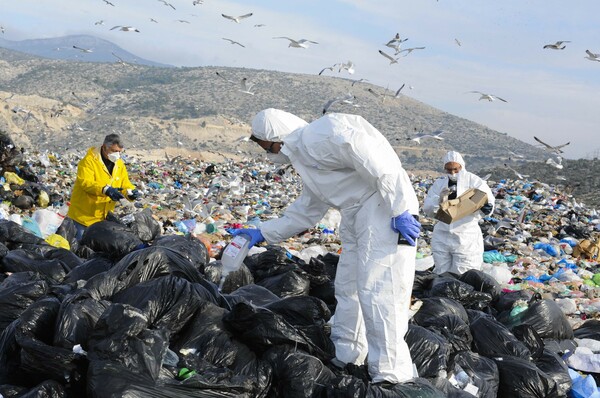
column 368, row 152
column 305, row 212
column 431, row 203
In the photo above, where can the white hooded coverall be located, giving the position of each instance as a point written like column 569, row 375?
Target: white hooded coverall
column 347, row 164
column 456, row 247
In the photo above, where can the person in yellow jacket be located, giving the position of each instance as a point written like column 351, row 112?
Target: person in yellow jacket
column 102, row 180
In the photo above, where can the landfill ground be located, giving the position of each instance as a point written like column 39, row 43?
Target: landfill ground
column 134, row 309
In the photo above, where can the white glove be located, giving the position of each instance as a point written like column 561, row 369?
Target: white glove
column 444, row 194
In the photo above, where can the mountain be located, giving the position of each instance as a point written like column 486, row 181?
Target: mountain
column 62, row 48
column 61, row 105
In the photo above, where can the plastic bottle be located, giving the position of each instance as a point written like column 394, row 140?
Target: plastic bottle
column 233, row 256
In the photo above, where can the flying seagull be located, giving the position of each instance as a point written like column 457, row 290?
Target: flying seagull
column 519, row 175
column 119, row 59
column 125, row 28
column 358, row 81
column 458, row 42
column 398, row 91
column 555, row 163
column 83, row 50
column 410, row 50
column 348, row 66
column 556, row 149
column 396, row 39
column 108, row 3
column 420, row 135
column 328, row 67
column 167, row 4
column 260, row 25
column 182, row 21
column 592, row 56
column 489, row 97
column 302, row 43
column 100, row 22
column 346, row 99
column 234, row 42
column 558, row 45
column 237, row 19
column 153, row 20
column 392, row 59
column 196, row 2
column 243, row 84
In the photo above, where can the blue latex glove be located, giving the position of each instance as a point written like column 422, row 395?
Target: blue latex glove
column 487, row 209
column 255, row 235
column 113, row 193
column 135, row 194
column 406, row 225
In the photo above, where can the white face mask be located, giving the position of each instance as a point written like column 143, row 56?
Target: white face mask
column 114, row 156
column 452, row 176
column 278, row 158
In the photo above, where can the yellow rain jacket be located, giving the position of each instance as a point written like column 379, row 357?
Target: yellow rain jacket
column 88, row 204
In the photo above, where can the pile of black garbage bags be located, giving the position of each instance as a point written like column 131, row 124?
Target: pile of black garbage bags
column 131, row 313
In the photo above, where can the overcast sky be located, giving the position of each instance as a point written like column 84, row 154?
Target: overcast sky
column 552, row 94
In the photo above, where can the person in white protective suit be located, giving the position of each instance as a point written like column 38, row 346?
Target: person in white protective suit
column 347, row 164
column 456, row 247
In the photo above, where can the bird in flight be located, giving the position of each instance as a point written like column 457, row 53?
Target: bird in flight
column 119, row 59
column 183, row 21
column 410, row 50
column 392, row 59
column 108, row 3
column 358, row 81
column 234, row 42
column 395, row 40
column 458, row 42
column 237, row 19
column 100, row 22
column 83, row 50
column 348, row 66
column 167, row 4
column 328, row 67
column 260, row 25
column 196, row 2
column 556, row 149
column 125, row 28
column 519, row 175
column 302, row 43
column 592, row 56
column 489, row 97
column 153, row 20
column 557, row 46
column 555, row 163
column 243, row 84
column 420, row 135
column 346, row 99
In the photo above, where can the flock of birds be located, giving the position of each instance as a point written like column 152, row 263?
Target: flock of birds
column 397, row 44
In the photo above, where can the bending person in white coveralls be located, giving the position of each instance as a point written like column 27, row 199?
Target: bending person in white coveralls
column 456, row 247
column 347, row 164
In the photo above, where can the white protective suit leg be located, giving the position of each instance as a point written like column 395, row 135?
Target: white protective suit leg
column 384, row 278
column 457, row 252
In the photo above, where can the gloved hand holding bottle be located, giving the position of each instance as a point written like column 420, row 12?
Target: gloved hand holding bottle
column 113, row 193
column 255, row 235
column 408, row 226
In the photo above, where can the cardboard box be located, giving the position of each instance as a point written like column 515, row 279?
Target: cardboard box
column 467, row 203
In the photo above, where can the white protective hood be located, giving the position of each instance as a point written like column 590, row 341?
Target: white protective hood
column 274, row 124
column 453, row 156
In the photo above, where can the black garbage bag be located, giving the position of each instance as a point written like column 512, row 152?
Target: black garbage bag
column 422, row 283
column 449, row 390
column 321, row 272
column 261, row 329
column 233, row 281
column 251, row 294
column 46, row 389
column 67, row 258
column 482, row 372
column 144, row 226
column 168, row 302
column 91, row 267
column 9, row 354
column 19, row 260
column 77, row 317
column 121, row 335
column 68, row 231
column 507, row 300
column 188, row 247
column 140, row 266
column 428, row 350
column 39, row 360
column 3, row 250
column 492, row 339
column 23, row 202
column 452, row 288
column 352, row 387
column 435, row 307
column 297, row 374
column 527, row 334
column 555, row 367
column 456, row 331
column 590, row 329
column 110, row 379
column 520, row 377
column 482, row 282
column 17, row 297
column 288, row 284
column 274, row 261
column 309, row 315
column 113, row 239
column 13, row 235
column 545, row 316
column 560, row 347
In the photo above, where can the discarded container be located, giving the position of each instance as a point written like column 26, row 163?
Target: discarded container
column 234, row 255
